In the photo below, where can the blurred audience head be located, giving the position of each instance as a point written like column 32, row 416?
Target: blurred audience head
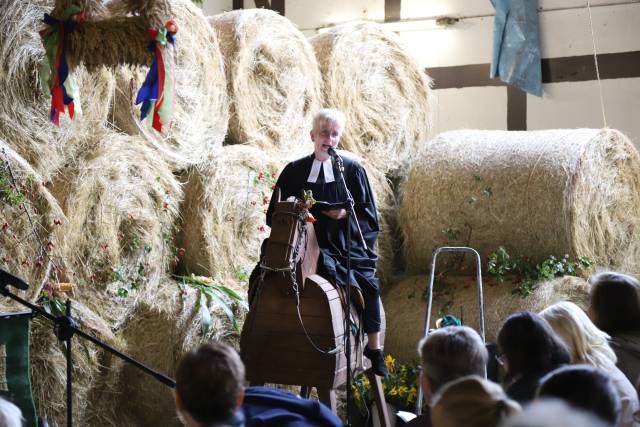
column 528, row 345
column 587, row 344
column 209, row 384
column 471, row 402
column 553, row 413
column 450, row 353
column 584, row 387
column 615, row 302
column 10, row 414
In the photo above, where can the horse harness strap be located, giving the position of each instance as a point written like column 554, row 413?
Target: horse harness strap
column 291, row 268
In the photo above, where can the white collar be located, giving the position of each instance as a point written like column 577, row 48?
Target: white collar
column 327, row 168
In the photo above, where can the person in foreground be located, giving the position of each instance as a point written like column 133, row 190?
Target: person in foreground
column 318, row 172
column 210, row 392
column 448, row 354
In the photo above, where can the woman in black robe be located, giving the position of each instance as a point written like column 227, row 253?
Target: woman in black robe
column 318, row 172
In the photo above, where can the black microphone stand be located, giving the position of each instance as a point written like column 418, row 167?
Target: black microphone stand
column 351, row 213
column 66, row 328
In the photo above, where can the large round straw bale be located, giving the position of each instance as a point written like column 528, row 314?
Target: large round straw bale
column 162, row 328
column 121, row 203
column 272, row 78
column 24, row 108
column 223, row 214
column 371, row 77
column 200, row 114
column 29, row 220
column 405, row 305
column 540, row 193
column 48, row 366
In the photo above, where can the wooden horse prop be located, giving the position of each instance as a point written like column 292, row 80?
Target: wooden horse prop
column 294, row 332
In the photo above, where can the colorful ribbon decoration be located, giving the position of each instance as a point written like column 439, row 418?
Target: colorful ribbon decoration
column 55, row 76
column 157, row 91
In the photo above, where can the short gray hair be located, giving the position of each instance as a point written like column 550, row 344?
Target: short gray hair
column 10, row 414
column 329, row 114
column 450, row 353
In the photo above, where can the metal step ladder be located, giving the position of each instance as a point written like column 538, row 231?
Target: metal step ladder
column 427, row 320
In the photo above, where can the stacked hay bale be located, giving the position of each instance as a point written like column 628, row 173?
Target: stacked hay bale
column 48, row 366
column 121, row 203
column 164, row 327
column 382, row 90
column 405, row 306
column 223, row 214
column 200, row 115
column 24, row 112
column 540, row 193
column 273, row 79
column 29, row 221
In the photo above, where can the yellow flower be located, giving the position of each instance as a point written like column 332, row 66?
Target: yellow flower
column 393, row 392
column 390, row 362
column 402, row 390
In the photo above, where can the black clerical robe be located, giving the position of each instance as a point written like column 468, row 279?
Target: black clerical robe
column 332, row 234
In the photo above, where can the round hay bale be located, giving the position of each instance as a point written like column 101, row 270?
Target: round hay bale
column 385, row 94
column 121, row 203
column 223, row 214
column 406, row 306
column 273, row 78
column 163, row 327
column 24, row 110
column 540, row 193
column 200, row 115
column 30, row 218
column 48, row 366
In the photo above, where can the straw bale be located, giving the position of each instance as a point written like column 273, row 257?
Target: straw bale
column 48, row 366
column 121, row 203
column 541, row 193
column 405, row 305
column 369, row 75
column 273, row 78
column 162, row 328
column 200, row 115
column 24, row 108
column 223, row 214
column 29, row 218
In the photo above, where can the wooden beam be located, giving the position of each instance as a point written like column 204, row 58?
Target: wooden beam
column 460, row 76
column 516, row 109
column 554, row 70
column 275, row 5
column 392, row 10
column 582, row 68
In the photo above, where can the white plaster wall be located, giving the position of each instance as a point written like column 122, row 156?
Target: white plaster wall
column 467, row 108
column 564, row 31
column 573, row 105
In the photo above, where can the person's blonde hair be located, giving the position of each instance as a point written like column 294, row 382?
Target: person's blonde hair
column 328, row 114
column 586, row 342
column 471, row 402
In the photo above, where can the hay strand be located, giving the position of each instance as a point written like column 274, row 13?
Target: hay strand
column 200, row 115
column 370, row 76
column 273, row 79
column 24, row 110
column 223, row 215
column 121, row 204
column 540, row 193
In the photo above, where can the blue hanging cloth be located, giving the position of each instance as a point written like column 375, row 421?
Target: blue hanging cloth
column 516, row 45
